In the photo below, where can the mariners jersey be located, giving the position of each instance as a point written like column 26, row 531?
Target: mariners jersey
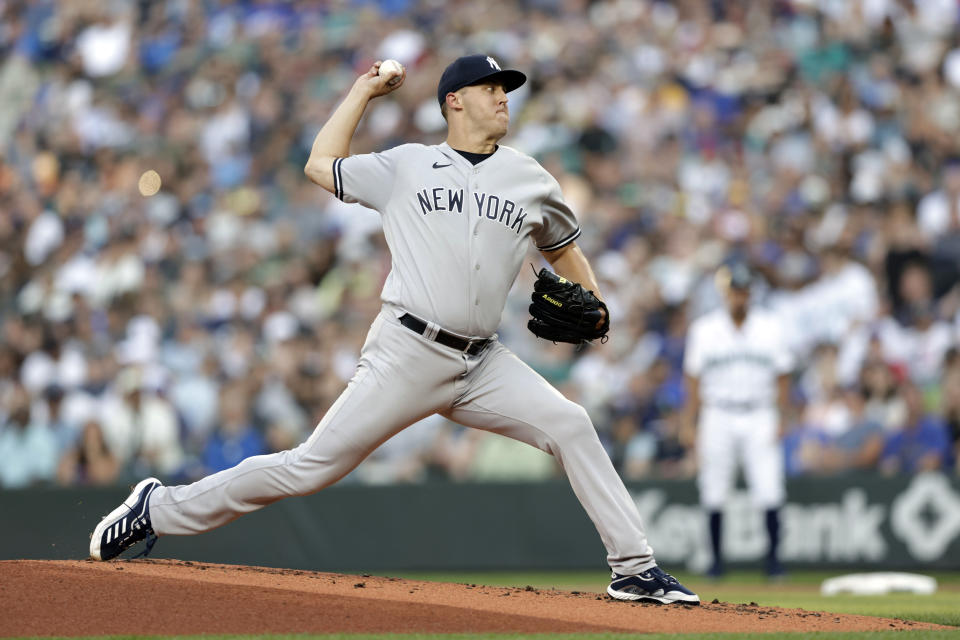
column 457, row 232
column 737, row 367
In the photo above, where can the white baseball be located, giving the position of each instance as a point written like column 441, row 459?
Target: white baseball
column 392, row 70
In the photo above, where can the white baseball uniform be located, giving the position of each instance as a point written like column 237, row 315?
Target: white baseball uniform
column 457, row 233
column 737, row 369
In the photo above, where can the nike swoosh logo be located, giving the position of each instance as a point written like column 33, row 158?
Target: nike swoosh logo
column 441, row 166
column 638, row 577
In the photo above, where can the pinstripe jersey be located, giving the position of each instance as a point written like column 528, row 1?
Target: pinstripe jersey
column 457, row 232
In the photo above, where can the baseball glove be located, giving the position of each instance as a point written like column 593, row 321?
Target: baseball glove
column 563, row 311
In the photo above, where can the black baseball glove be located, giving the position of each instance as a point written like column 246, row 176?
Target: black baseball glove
column 563, row 311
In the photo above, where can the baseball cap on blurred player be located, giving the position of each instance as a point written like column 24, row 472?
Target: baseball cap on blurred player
column 468, row 70
column 736, row 276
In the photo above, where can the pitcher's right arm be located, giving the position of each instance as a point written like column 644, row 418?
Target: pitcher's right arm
column 333, row 140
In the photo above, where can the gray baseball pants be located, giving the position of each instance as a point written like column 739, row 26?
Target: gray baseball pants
column 401, row 378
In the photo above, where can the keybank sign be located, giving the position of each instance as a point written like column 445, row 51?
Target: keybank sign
column 890, row 522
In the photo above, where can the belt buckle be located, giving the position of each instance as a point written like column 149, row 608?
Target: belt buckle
column 471, row 343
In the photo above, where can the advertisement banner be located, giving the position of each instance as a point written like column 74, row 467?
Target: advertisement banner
column 867, row 522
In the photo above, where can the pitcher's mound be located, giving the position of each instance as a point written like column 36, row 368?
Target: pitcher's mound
column 167, row 597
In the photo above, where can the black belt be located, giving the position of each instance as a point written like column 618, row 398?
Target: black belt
column 470, row 347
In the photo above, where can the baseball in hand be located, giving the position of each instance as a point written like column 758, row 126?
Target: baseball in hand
column 391, row 70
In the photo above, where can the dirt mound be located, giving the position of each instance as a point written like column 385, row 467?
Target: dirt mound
column 79, row 598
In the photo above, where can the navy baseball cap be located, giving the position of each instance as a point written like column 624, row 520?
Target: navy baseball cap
column 468, row 70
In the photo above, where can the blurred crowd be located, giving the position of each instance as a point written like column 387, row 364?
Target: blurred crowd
column 177, row 333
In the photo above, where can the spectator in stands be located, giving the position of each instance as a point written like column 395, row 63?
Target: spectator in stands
column 631, row 447
column 938, row 213
column 28, row 448
column 950, row 402
column 922, row 444
column 884, row 403
column 236, row 437
column 859, row 446
column 89, row 461
column 141, row 426
column 803, row 447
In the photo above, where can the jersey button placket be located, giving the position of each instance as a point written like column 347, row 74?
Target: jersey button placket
column 476, row 267
column 472, row 222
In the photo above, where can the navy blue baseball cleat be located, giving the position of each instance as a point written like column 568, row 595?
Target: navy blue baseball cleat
column 654, row 585
column 126, row 525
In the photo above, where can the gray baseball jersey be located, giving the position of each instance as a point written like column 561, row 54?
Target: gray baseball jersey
column 457, row 232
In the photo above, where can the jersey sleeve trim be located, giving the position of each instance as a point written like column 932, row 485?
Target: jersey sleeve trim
column 553, row 247
column 337, row 179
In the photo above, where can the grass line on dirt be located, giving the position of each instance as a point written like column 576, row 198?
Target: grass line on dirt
column 801, row 590
column 834, row 635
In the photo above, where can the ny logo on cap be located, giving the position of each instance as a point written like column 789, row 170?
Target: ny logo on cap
column 493, row 63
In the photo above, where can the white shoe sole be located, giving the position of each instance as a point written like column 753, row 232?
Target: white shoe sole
column 680, row 598
column 113, row 515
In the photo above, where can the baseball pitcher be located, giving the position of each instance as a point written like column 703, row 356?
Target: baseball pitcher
column 458, row 218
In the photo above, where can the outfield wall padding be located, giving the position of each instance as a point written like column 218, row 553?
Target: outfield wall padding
column 858, row 521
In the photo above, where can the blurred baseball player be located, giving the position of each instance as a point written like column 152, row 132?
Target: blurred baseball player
column 737, row 368
column 458, row 218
